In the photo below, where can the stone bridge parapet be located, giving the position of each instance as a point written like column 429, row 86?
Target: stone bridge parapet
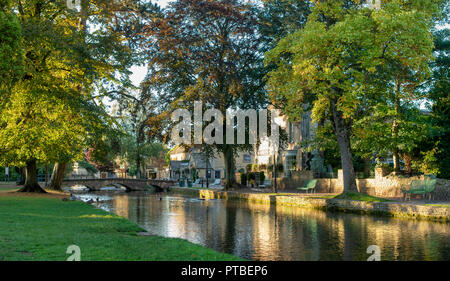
column 129, row 184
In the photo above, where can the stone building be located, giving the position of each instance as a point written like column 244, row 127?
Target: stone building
column 182, row 159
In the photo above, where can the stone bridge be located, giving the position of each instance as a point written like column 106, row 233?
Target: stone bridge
column 129, row 184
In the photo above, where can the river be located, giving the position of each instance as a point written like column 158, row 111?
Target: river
column 270, row 233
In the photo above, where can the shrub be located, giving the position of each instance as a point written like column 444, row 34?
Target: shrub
column 243, row 178
column 262, row 177
column 280, row 167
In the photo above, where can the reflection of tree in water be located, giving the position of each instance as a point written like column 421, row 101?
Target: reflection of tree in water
column 269, row 232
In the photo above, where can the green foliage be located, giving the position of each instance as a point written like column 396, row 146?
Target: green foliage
column 358, row 71
column 439, row 96
column 11, row 66
column 52, row 114
column 243, row 178
column 36, row 125
column 279, row 18
column 262, row 176
column 206, row 51
column 251, row 176
column 88, row 166
column 428, row 163
column 334, row 62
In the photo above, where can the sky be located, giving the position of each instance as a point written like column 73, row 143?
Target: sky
column 139, row 72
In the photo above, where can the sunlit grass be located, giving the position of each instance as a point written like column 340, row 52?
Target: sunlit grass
column 361, row 197
column 438, row 205
column 43, row 228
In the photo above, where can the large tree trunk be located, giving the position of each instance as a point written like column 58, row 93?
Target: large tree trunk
column 59, row 170
column 138, row 165
column 396, row 159
column 408, row 163
column 31, row 181
column 395, row 153
column 228, row 156
column 343, row 138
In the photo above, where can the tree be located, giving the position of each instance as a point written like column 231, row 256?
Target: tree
column 52, row 113
column 340, row 59
column 278, row 18
column 207, row 51
column 11, row 67
column 135, row 112
column 110, row 51
column 440, row 109
column 435, row 149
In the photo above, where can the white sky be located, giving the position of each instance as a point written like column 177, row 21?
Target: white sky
column 139, row 72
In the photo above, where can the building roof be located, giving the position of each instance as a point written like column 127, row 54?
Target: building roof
column 177, row 165
column 198, row 161
column 178, row 149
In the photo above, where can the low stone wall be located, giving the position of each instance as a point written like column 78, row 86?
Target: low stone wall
column 384, row 208
column 386, row 187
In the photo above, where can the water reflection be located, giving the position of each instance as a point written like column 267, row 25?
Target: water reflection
column 266, row 232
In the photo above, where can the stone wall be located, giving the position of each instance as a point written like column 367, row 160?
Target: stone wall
column 380, row 186
column 439, row 213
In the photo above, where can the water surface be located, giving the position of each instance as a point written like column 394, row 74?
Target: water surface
column 266, row 232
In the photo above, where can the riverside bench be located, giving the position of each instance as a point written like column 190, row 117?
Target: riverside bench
column 308, row 185
column 420, row 187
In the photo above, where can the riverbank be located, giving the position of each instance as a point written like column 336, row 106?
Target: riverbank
column 435, row 212
column 42, row 227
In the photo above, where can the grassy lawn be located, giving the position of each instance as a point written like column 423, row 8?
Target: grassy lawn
column 35, row 228
column 326, row 196
column 8, row 188
column 361, row 197
column 438, row 205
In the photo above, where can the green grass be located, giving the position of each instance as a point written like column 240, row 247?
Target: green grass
column 325, row 196
column 8, row 188
column 360, row 197
column 438, row 205
column 275, row 194
column 43, row 229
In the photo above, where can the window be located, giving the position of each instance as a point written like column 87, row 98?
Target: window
column 217, row 175
column 247, row 158
column 291, row 132
column 291, row 162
